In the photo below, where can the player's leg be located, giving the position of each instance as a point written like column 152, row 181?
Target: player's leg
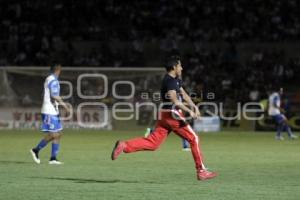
column 56, row 134
column 177, row 121
column 45, row 127
column 188, row 133
column 287, row 128
column 279, row 126
column 149, row 143
column 185, row 145
column 42, row 144
column 55, row 148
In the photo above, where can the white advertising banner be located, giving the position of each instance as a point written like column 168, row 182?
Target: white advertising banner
column 30, row 118
column 207, row 124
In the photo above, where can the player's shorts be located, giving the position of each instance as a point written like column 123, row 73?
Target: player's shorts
column 51, row 123
column 278, row 118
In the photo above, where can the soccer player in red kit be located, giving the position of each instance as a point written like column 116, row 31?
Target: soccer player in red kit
column 171, row 118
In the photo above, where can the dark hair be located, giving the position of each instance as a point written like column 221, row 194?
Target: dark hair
column 171, row 62
column 54, row 67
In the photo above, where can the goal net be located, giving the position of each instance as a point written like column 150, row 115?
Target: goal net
column 91, row 91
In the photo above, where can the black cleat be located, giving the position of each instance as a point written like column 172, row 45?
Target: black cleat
column 35, row 156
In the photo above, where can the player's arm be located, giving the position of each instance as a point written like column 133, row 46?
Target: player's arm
column 277, row 105
column 173, row 97
column 54, row 92
column 61, row 102
column 188, row 99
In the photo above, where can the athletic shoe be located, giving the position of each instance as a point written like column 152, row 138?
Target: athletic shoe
column 186, row 149
column 55, row 162
column 147, row 132
column 293, row 137
column 205, row 174
column 118, row 149
column 35, row 156
column 279, row 138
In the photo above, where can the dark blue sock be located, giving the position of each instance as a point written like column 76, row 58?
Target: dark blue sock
column 288, row 130
column 280, row 127
column 41, row 145
column 185, row 143
column 55, row 150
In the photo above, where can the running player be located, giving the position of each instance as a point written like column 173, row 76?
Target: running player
column 171, row 118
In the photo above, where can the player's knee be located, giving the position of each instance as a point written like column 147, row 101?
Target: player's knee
column 55, row 136
column 193, row 140
column 283, row 123
column 48, row 137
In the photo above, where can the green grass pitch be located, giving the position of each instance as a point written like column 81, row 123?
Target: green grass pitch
column 250, row 165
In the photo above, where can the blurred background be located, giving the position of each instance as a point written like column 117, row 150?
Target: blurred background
column 237, row 50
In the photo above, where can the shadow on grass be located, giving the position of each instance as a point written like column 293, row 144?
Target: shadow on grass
column 13, row 162
column 82, row 180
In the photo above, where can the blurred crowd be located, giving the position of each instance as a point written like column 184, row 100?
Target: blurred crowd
column 34, row 32
column 219, row 72
column 117, row 33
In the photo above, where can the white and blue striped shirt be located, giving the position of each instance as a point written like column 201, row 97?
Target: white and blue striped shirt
column 51, row 88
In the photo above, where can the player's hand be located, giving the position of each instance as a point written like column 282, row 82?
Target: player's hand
column 193, row 114
column 197, row 112
column 282, row 110
column 284, row 118
column 68, row 108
